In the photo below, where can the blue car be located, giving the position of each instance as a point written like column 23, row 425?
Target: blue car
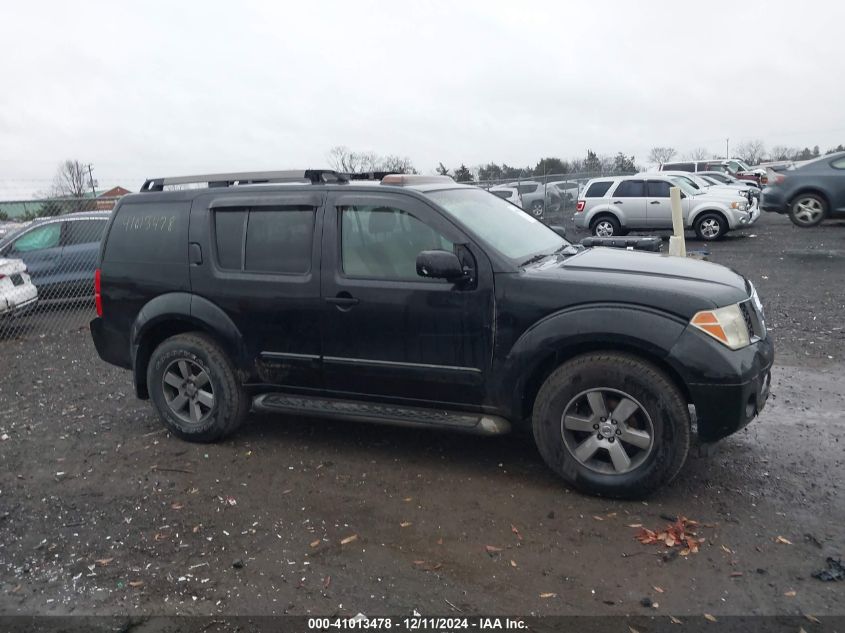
column 60, row 253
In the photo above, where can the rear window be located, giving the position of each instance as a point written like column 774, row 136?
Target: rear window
column 265, row 239
column 678, row 167
column 501, row 193
column 149, row 233
column 84, row 231
column 598, row 189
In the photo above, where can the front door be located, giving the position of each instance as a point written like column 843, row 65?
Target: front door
column 387, row 332
column 256, row 258
column 40, row 249
column 629, row 202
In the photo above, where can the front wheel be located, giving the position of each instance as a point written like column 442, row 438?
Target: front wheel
column 194, row 388
column 612, row 425
column 710, row 226
column 537, row 209
column 807, row 210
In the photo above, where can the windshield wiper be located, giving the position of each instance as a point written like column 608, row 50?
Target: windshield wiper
column 534, row 259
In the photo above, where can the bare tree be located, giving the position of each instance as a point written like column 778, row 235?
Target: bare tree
column 397, row 164
column 71, row 180
column 783, row 152
column 751, row 151
column 342, row 159
column 660, row 155
column 699, row 153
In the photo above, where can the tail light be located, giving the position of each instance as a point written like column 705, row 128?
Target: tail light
column 580, row 206
column 776, row 179
column 98, row 298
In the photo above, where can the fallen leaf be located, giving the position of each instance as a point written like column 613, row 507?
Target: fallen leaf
column 635, row 525
column 783, row 541
column 632, row 629
column 610, row 515
column 136, row 583
column 548, row 595
column 726, row 549
column 791, row 593
column 327, row 582
column 176, row 506
column 161, row 536
column 674, row 620
column 102, row 562
column 492, row 549
column 440, row 541
column 16, row 589
column 349, row 539
column 513, row 563
column 598, row 518
column 812, row 618
column 406, row 499
column 736, row 574
column 658, row 589
column 427, row 566
column 405, row 524
column 516, row 531
column 314, row 543
column 710, row 618
column 196, row 529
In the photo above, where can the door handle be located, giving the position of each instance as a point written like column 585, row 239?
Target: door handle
column 655, row 202
column 618, row 202
column 343, row 300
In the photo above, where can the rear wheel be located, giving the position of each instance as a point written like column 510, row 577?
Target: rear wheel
column 537, row 208
column 612, row 424
column 807, row 210
column 194, row 388
column 606, row 226
column 710, row 226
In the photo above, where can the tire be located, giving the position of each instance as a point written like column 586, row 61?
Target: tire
column 537, row 209
column 807, row 210
column 605, row 226
column 710, row 226
column 197, row 361
column 658, row 409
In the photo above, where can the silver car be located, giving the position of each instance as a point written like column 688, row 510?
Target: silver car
column 614, row 206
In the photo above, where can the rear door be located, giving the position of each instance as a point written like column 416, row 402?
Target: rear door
column 389, row 333
column 257, row 258
column 80, row 251
column 629, row 201
column 659, row 204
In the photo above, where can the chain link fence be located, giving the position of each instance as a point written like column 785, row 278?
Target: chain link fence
column 48, row 254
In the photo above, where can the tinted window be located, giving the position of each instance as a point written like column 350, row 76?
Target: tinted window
column 680, row 167
column 84, row 231
column 526, row 188
column 502, row 194
column 658, row 189
column 839, row 163
column 383, row 242
column 278, row 240
column 149, row 233
column 229, row 225
column 598, row 189
column 630, row 189
column 40, row 238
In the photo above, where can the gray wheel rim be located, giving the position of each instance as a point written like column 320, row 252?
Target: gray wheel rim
column 188, row 391
column 537, row 209
column 604, row 229
column 710, row 228
column 807, row 210
column 607, row 431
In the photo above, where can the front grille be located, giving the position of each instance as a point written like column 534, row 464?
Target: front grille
column 17, row 279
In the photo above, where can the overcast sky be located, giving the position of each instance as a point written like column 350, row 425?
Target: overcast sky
column 167, row 88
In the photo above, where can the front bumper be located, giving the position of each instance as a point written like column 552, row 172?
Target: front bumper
column 750, row 217
column 773, row 200
column 728, row 387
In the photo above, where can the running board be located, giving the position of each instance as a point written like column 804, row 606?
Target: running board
column 467, row 422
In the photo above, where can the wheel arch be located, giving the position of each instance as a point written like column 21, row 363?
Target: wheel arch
column 588, row 329
column 602, row 212
column 179, row 313
column 813, row 191
column 704, row 210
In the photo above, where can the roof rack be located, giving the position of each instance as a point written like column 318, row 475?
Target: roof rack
column 312, row 176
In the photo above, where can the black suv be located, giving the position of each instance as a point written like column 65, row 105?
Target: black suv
column 416, row 300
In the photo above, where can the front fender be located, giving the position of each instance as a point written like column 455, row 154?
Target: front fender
column 567, row 333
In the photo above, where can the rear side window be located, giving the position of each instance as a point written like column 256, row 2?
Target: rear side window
column 527, row 188
column 83, row 231
column 39, row 239
column 630, row 189
column 265, row 239
column 839, row 163
column 680, row 167
column 149, row 233
column 598, row 189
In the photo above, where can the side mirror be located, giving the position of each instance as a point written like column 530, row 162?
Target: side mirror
column 439, row 265
column 559, row 230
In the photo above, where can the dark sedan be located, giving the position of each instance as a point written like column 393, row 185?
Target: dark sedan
column 60, row 253
column 809, row 193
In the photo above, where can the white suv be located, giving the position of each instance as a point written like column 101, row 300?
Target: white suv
column 614, row 206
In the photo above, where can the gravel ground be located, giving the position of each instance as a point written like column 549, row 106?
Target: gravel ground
column 101, row 511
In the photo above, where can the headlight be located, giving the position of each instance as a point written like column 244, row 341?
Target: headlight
column 742, row 206
column 726, row 325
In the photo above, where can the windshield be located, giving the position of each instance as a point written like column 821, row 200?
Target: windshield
column 685, row 187
column 502, row 225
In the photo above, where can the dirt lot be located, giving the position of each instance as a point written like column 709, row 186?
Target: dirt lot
column 103, row 512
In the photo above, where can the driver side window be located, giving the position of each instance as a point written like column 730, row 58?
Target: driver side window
column 38, row 239
column 381, row 242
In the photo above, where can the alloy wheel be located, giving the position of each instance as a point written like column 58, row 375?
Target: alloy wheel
column 807, row 210
column 188, row 391
column 607, row 431
column 604, row 229
column 710, row 228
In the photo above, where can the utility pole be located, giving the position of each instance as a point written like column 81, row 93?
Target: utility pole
column 727, row 148
column 91, row 179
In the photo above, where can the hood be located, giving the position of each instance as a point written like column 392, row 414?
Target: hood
column 677, row 285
